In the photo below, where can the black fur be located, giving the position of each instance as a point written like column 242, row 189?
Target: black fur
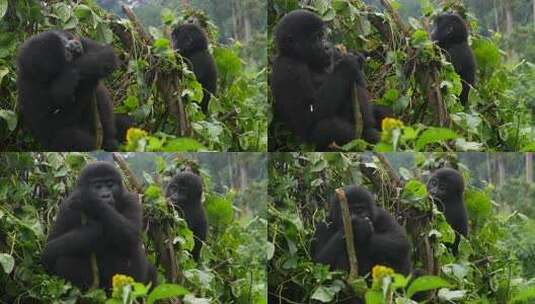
column 379, row 239
column 191, row 42
column 446, row 187
column 451, row 33
column 311, row 84
column 185, row 192
column 112, row 231
column 58, row 75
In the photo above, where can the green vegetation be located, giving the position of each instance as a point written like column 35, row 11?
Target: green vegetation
column 150, row 76
column 404, row 68
column 232, row 267
column 495, row 263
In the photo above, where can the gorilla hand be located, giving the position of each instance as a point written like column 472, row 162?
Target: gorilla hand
column 362, row 228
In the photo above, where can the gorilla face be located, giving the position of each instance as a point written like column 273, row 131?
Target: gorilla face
column 302, row 35
column 100, row 181
column 444, row 183
column 361, row 205
column 183, row 188
column 105, row 189
column 449, row 29
column 189, row 38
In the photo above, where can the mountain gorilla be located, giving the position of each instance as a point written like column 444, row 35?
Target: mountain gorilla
column 446, row 187
column 312, row 84
column 184, row 192
column 379, row 239
column 58, row 79
column 451, row 33
column 99, row 217
column 190, row 41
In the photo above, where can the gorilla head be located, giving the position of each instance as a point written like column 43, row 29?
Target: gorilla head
column 361, row 205
column 183, row 188
column 189, row 38
column 444, row 184
column 449, row 29
column 101, row 181
column 302, row 35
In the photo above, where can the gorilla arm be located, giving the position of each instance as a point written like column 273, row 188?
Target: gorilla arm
column 122, row 227
column 390, row 243
column 107, row 119
column 68, row 238
column 98, row 60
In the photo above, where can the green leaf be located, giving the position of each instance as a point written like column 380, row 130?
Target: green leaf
column 219, row 210
column 153, row 192
column 374, row 297
column 166, row 291
column 524, row 295
column 478, row 204
column 7, row 262
column 10, row 117
column 434, row 135
column 3, row 8
column 183, row 144
column 323, row 294
column 425, row 283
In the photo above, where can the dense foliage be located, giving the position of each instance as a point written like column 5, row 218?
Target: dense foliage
column 237, row 119
column 232, row 268
column 404, row 68
column 494, row 264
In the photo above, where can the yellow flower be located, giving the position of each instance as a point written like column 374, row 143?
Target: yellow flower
column 389, row 125
column 134, row 134
column 380, row 272
column 118, row 282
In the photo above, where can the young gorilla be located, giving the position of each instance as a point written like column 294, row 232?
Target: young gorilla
column 451, row 33
column 191, row 42
column 379, row 239
column 58, row 78
column 312, row 83
column 446, row 187
column 184, row 192
column 100, row 216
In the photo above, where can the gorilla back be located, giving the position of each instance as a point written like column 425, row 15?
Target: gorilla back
column 58, row 82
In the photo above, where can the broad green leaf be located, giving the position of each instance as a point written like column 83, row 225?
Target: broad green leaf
column 3, row 8
column 10, row 118
column 183, row 144
column 166, row 291
column 425, row 283
column 434, row 135
column 7, row 262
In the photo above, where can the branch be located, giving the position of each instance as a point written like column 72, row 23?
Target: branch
column 357, row 114
column 348, row 232
column 132, row 179
column 99, row 137
column 94, row 266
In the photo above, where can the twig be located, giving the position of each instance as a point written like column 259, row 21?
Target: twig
column 132, row 179
column 97, row 123
column 357, row 114
column 348, row 232
column 94, row 266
